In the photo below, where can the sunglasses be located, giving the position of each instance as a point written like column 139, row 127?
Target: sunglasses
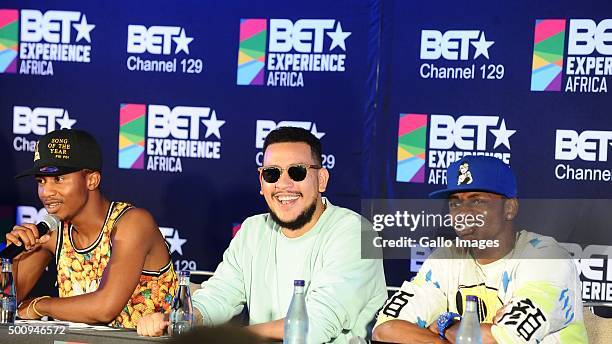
column 297, row 172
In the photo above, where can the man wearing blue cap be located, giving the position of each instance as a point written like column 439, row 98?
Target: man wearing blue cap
column 527, row 287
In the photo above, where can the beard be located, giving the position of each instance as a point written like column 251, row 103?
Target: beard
column 299, row 221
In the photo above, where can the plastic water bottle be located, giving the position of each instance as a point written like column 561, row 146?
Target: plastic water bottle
column 181, row 314
column 296, row 321
column 8, row 299
column 469, row 329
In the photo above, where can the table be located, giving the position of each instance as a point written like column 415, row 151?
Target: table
column 17, row 335
column 119, row 336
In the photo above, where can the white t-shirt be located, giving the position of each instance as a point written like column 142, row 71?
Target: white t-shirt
column 290, row 257
column 535, row 289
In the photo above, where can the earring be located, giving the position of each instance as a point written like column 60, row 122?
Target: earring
column 261, row 192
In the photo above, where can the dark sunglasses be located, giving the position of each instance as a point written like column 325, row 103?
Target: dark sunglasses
column 297, row 172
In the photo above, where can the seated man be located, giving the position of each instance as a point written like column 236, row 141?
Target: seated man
column 528, row 288
column 304, row 237
column 96, row 284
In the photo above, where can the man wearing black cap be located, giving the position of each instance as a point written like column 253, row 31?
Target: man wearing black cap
column 94, row 285
column 528, row 289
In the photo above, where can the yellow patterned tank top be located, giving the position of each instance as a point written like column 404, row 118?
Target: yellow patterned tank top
column 80, row 271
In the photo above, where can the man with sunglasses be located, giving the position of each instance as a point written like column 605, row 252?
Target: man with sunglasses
column 302, row 237
column 527, row 287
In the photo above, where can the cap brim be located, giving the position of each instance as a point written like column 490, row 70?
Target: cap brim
column 47, row 171
column 441, row 194
column 445, row 193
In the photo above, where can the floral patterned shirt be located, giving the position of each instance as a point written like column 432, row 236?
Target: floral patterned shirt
column 79, row 271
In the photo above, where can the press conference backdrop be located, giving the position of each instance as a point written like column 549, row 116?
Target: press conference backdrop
column 181, row 97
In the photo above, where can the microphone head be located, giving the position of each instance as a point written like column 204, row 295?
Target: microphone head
column 52, row 221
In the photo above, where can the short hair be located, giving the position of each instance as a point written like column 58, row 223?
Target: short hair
column 294, row 134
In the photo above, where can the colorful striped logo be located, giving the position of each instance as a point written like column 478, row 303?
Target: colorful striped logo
column 411, row 143
column 548, row 45
column 9, row 40
column 132, row 136
column 252, row 51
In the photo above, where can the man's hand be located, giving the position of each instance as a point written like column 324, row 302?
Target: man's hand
column 434, row 327
column 152, row 325
column 26, row 234
column 274, row 330
column 451, row 332
column 401, row 331
column 26, row 312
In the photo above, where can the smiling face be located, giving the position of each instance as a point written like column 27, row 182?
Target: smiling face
column 293, row 204
column 65, row 195
column 489, row 207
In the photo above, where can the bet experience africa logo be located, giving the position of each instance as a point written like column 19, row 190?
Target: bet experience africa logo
column 421, row 160
column 306, row 45
column 172, row 134
column 586, row 61
column 42, row 39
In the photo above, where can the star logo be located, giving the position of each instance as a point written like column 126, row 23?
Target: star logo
column 83, row 29
column 172, row 238
column 502, row 135
column 338, row 37
column 65, row 122
column 482, row 46
column 212, row 125
column 182, row 42
column 317, row 134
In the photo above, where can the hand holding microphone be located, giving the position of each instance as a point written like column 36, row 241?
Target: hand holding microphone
column 28, row 236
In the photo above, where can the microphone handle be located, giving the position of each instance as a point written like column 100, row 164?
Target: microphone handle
column 12, row 251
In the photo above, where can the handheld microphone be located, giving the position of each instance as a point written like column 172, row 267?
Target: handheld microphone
column 49, row 223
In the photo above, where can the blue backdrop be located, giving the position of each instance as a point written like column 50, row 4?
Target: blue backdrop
column 181, row 96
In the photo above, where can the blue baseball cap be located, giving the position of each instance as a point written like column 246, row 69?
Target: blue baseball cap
column 478, row 173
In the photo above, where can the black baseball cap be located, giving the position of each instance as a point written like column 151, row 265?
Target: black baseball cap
column 65, row 151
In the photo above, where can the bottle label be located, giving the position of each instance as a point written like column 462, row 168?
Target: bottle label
column 9, row 304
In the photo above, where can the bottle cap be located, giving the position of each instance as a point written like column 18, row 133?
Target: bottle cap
column 184, row 273
column 471, row 298
column 298, row 283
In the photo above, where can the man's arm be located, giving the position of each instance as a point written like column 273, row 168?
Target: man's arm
column 29, row 265
column 154, row 325
column 546, row 304
column 220, row 297
column 27, row 269
column 401, row 331
column 406, row 316
column 223, row 296
column 133, row 239
column 272, row 330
